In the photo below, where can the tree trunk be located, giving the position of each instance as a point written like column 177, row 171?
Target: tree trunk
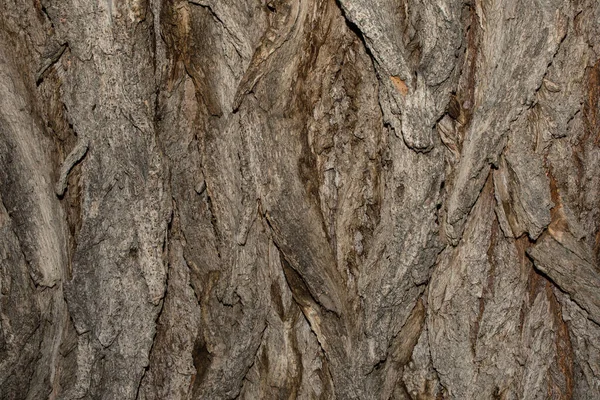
column 334, row 199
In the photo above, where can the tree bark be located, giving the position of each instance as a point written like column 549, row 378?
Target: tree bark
column 349, row 199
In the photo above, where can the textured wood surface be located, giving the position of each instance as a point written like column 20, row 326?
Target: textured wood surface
column 312, row 199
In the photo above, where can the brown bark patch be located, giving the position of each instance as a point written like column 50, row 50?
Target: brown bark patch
column 561, row 373
column 591, row 104
column 400, row 85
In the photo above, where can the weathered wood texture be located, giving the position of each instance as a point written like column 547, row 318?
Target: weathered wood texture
column 351, row 199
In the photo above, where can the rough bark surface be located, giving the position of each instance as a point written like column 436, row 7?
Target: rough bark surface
column 312, row 199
